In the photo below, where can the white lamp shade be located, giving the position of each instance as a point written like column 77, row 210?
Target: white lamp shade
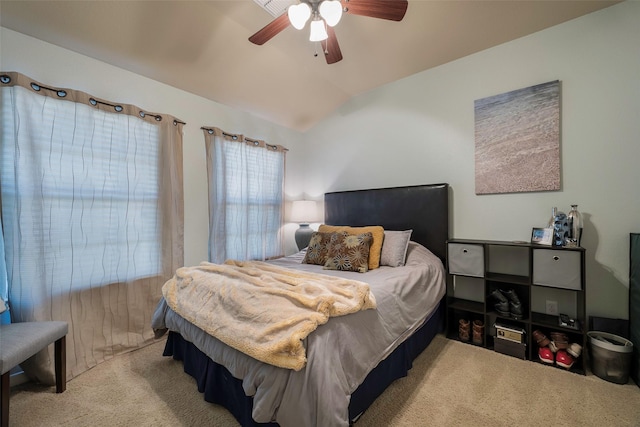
column 331, row 11
column 304, row 211
column 299, row 14
column 318, row 32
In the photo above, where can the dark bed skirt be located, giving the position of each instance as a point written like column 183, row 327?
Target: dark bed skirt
column 220, row 387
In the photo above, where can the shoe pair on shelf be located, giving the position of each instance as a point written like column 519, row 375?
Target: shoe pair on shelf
column 561, row 358
column 507, row 303
column 465, row 329
column 558, row 350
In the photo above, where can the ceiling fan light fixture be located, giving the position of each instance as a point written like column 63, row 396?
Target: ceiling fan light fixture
column 331, row 11
column 318, row 32
column 323, row 15
column 299, row 14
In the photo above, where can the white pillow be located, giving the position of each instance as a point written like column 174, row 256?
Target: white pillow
column 394, row 247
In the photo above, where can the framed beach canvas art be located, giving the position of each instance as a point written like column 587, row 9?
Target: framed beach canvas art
column 517, row 137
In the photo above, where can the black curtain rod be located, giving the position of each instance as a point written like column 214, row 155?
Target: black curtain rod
column 232, row 135
column 6, row 79
column 117, row 108
column 235, row 137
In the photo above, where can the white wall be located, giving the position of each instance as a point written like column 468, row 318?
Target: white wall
column 59, row 67
column 420, row 130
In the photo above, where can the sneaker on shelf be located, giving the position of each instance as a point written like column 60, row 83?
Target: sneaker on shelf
column 545, row 355
column 463, row 330
column 575, row 350
column 515, row 306
column 564, row 359
column 502, row 304
column 560, row 339
column 540, row 338
column 478, row 332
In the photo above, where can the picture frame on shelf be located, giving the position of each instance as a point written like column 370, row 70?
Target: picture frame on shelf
column 542, row 236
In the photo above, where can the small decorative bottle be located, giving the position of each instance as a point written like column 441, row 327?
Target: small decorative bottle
column 575, row 226
column 560, row 229
column 552, row 220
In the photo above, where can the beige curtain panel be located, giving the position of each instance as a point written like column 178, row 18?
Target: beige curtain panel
column 91, row 195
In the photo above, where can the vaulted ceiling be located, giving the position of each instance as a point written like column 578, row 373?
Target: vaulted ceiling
column 202, row 46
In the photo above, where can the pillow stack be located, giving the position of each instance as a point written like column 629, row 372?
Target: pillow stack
column 357, row 248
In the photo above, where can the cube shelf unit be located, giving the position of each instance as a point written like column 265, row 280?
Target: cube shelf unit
column 537, row 273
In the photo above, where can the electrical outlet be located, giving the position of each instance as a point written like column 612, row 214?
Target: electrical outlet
column 552, row 308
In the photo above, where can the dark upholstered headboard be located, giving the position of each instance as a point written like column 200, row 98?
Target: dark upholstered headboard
column 423, row 208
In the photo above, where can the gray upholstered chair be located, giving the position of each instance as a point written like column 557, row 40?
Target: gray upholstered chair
column 20, row 341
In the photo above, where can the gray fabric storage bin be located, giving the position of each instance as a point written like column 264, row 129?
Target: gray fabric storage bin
column 466, row 259
column 557, row 268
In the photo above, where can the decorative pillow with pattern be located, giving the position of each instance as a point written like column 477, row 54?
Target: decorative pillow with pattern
column 376, row 246
column 349, row 252
column 318, row 248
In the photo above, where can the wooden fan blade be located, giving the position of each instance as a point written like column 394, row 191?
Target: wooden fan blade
column 331, row 48
column 270, row 30
column 392, row 10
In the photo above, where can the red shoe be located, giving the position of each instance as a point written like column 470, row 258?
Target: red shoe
column 564, row 359
column 545, row 355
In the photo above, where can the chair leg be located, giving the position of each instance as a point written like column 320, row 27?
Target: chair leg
column 61, row 364
column 4, row 396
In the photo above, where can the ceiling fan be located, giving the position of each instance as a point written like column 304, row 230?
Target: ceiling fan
column 324, row 15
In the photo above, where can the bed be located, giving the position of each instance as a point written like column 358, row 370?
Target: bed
column 344, row 372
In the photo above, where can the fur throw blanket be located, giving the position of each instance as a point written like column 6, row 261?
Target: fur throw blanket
column 261, row 309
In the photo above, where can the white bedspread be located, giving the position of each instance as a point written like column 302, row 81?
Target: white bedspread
column 340, row 353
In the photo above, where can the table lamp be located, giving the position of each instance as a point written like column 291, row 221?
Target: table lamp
column 303, row 212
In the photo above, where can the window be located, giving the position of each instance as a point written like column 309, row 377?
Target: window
column 245, row 197
column 91, row 197
column 79, row 192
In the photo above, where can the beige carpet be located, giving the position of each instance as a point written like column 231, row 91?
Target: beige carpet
column 451, row 384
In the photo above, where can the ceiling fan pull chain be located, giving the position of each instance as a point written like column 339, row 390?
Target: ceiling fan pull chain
column 326, row 42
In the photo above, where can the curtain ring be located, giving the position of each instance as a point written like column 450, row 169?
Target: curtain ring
column 5, row 79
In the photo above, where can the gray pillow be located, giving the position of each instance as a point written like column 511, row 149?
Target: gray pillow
column 394, row 247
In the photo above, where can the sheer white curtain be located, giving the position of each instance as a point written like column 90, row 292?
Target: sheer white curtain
column 92, row 207
column 246, row 181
